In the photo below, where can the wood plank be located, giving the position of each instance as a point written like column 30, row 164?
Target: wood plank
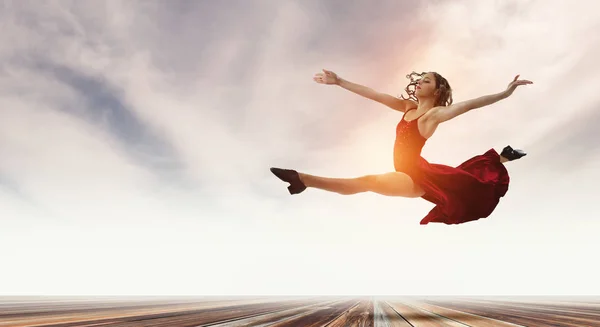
column 564, row 310
column 359, row 316
column 91, row 317
column 530, row 317
column 318, row 318
column 421, row 318
column 210, row 318
column 266, row 319
column 385, row 316
column 463, row 317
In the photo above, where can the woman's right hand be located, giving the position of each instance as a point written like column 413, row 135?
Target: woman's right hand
column 326, row 77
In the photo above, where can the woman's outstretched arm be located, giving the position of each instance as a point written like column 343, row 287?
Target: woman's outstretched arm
column 331, row 78
column 442, row 114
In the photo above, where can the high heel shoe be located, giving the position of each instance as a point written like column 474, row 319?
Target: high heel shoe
column 292, row 177
column 512, row 154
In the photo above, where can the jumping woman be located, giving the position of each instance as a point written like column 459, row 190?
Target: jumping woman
column 464, row 193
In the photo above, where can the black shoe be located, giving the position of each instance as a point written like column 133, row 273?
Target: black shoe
column 512, row 154
column 292, row 177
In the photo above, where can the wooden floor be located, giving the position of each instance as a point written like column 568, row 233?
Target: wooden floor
column 331, row 312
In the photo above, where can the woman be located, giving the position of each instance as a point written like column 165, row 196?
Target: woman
column 465, row 193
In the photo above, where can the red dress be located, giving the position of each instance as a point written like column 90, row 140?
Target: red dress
column 464, row 193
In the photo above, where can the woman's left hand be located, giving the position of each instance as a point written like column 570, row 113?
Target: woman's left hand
column 516, row 82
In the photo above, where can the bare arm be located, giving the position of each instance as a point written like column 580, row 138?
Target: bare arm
column 329, row 77
column 383, row 98
column 442, row 114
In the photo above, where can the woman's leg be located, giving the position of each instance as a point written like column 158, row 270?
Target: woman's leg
column 391, row 184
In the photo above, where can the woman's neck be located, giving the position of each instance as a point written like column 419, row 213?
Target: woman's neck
column 425, row 105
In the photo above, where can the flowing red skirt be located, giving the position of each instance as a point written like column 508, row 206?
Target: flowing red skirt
column 464, row 193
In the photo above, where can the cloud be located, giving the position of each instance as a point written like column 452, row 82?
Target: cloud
column 572, row 144
column 102, row 104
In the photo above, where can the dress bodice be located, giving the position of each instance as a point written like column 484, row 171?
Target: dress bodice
column 408, row 145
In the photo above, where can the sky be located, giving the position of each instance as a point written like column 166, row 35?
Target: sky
column 136, row 137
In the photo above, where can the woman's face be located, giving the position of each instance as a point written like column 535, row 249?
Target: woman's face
column 426, row 86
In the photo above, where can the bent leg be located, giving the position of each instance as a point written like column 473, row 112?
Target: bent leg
column 390, row 184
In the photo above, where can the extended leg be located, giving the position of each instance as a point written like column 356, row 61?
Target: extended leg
column 390, row 184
